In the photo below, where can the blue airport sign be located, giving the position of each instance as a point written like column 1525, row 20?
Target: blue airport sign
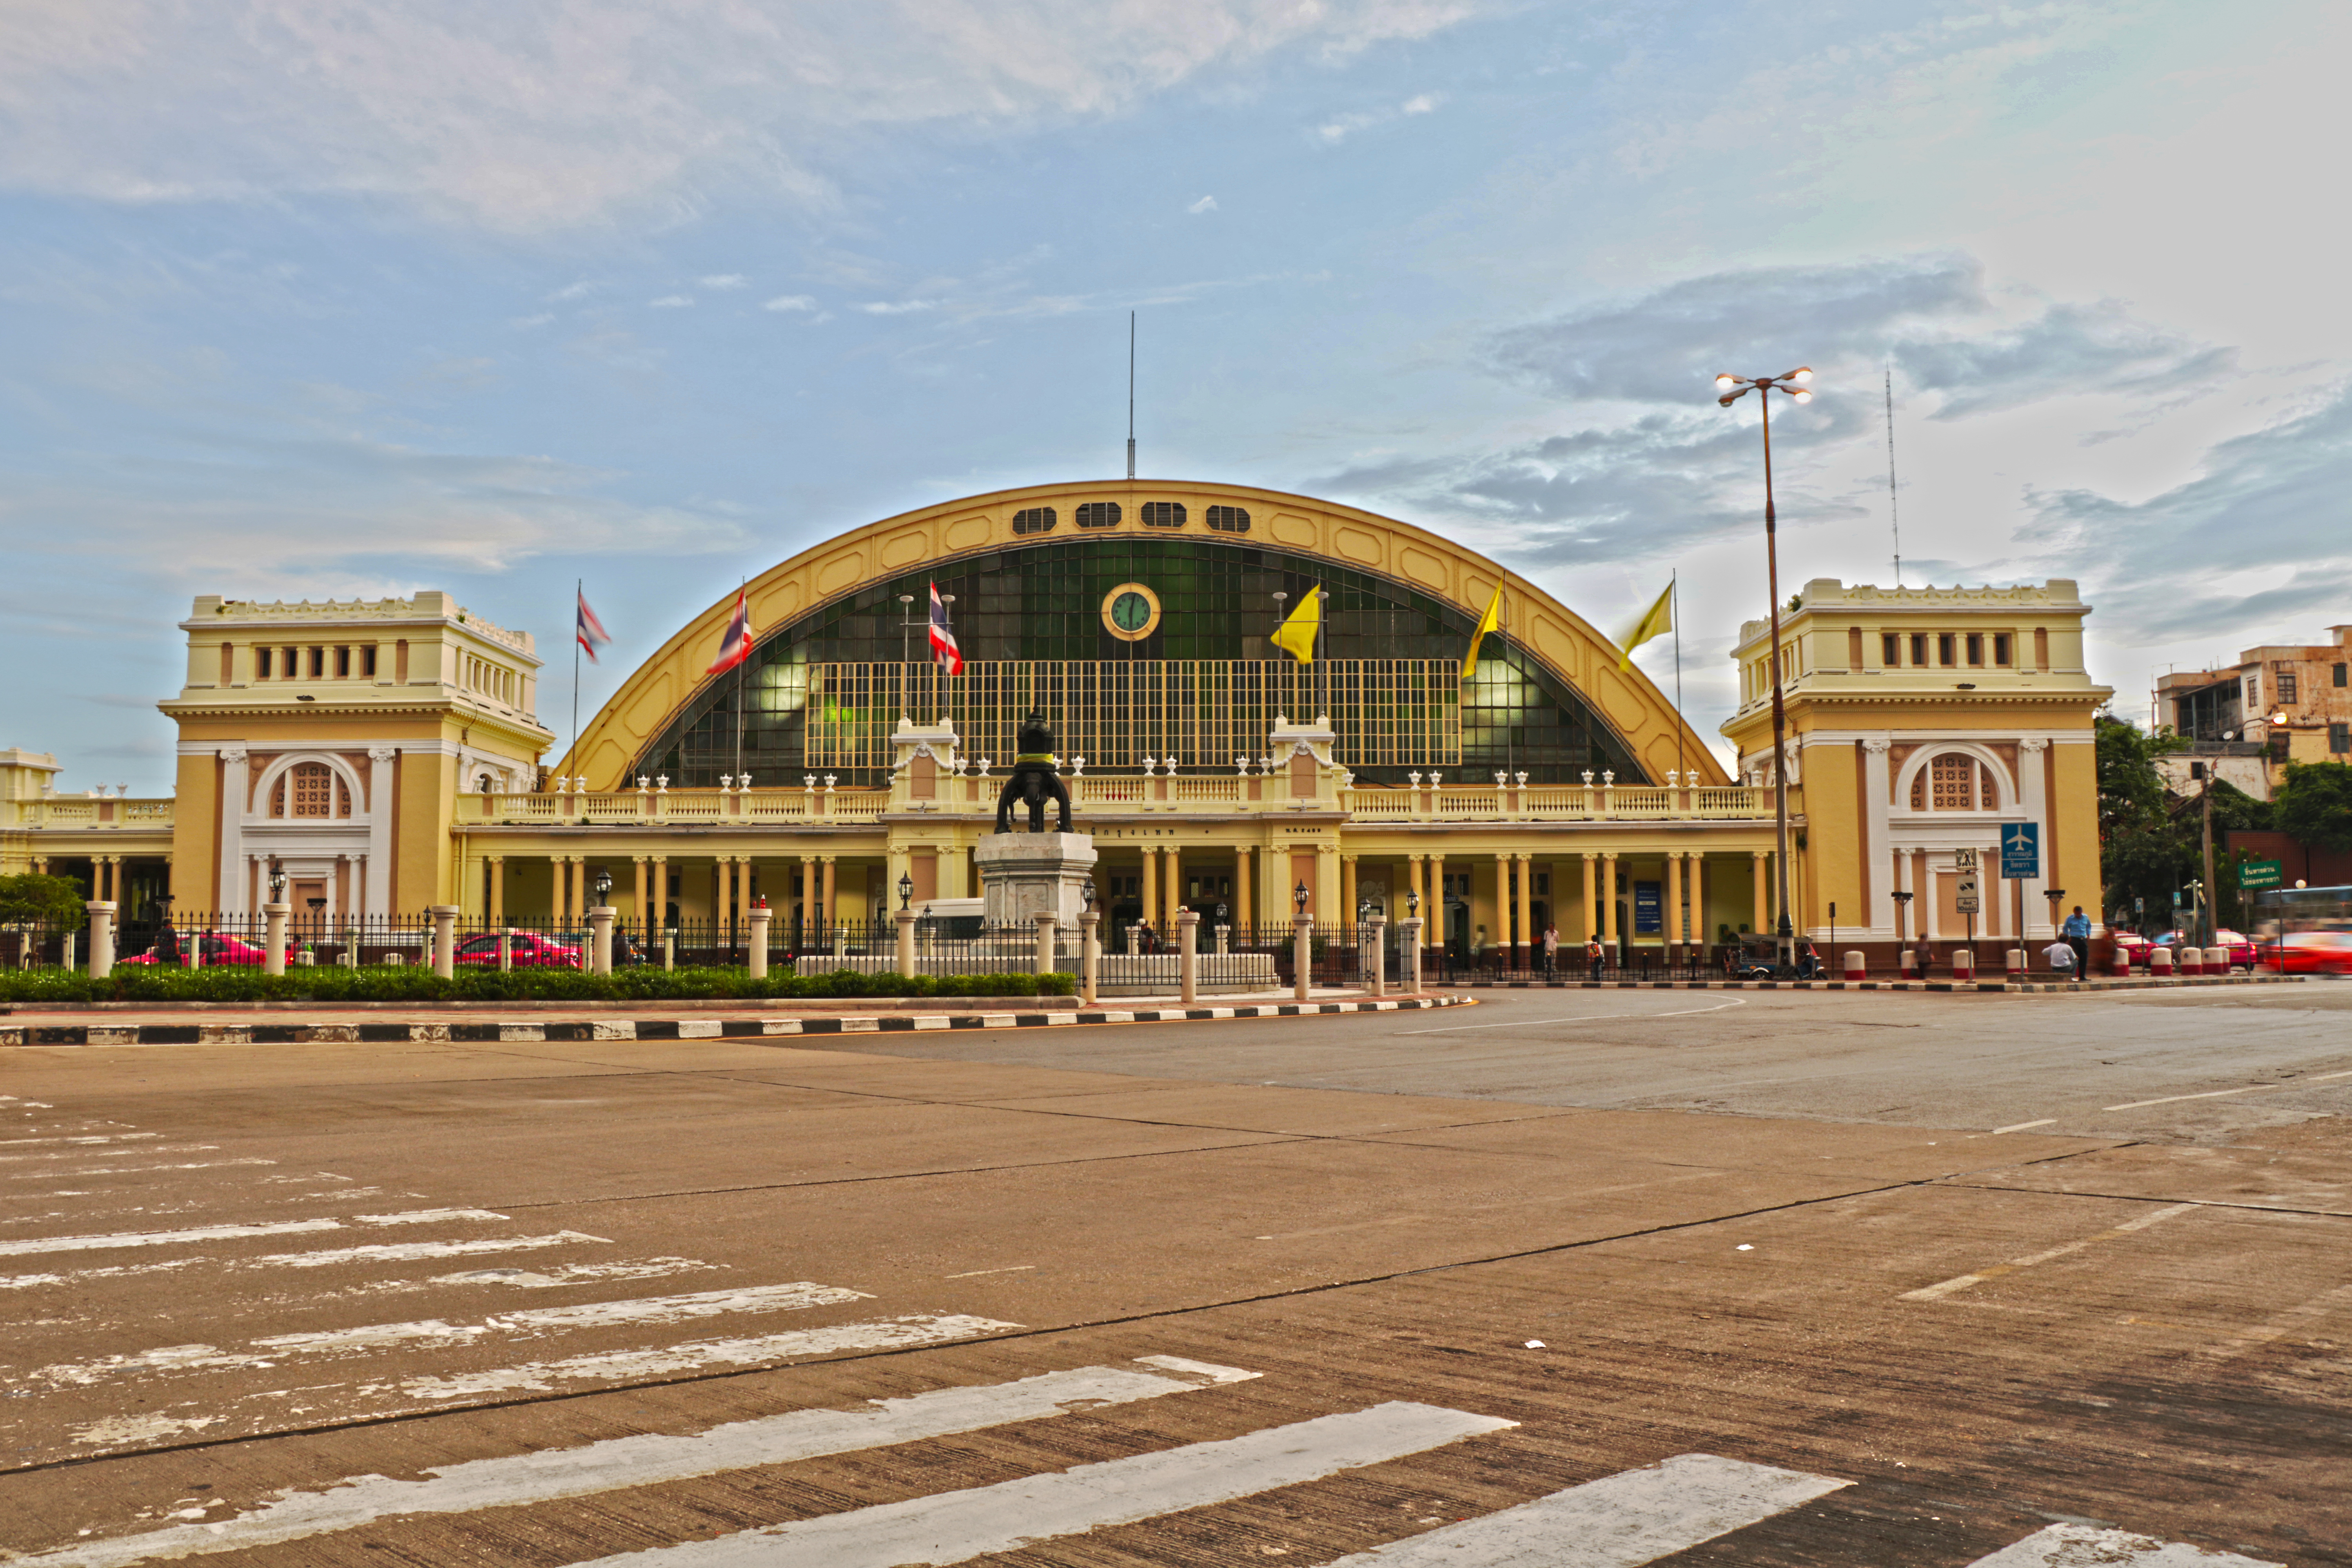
column 2020, row 851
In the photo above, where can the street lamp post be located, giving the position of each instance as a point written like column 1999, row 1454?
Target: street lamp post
column 1733, row 388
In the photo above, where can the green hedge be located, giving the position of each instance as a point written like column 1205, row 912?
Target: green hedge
column 140, row 982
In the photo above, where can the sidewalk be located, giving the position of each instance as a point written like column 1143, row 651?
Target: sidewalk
column 2137, row 983
column 134, row 1024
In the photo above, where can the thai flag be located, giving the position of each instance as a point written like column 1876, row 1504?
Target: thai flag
column 943, row 644
column 590, row 630
column 736, row 646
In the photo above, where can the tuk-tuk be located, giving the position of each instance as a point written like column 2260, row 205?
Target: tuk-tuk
column 1757, row 957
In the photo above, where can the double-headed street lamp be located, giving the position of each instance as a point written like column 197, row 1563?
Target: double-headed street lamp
column 1734, row 388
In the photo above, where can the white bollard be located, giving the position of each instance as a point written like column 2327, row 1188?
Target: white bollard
column 905, row 918
column 1047, row 932
column 1188, row 956
column 506, row 951
column 1302, row 954
column 101, row 937
column 445, row 939
column 1409, row 950
column 1379, row 964
column 599, row 939
column 761, row 915
column 1089, row 956
column 2160, row 963
column 2016, row 963
column 1856, row 967
column 273, row 940
column 1964, row 964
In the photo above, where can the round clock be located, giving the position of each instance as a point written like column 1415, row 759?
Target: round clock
column 1130, row 612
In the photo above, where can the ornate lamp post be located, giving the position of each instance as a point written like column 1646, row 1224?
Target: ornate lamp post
column 1734, row 388
column 906, row 889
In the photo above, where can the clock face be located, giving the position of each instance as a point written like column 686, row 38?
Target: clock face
column 1130, row 612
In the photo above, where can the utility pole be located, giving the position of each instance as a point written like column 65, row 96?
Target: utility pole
column 2208, row 899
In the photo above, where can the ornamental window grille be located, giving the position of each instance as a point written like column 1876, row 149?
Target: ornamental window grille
column 2285, row 680
column 1035, row 520
column 1163, row 514
column 1099, row 514
column 1228, row 519
column 311, row 789
column 1948, row 782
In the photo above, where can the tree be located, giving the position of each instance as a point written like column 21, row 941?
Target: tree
column 41, row 901
column 2142, row 851
column 2314, row 805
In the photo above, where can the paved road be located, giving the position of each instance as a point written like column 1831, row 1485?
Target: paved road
column 1756, row 1286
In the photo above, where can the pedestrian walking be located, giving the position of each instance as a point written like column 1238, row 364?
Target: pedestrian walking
column 2077, row 934
column 2061, row 956
column 1551, row 950
column 1923, row 957
column 1594, row 956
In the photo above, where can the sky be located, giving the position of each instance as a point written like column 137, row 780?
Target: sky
column 337, row 297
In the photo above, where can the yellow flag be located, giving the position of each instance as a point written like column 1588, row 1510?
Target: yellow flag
column 1295, row 636
column 1656, row 622
column 1486, row 623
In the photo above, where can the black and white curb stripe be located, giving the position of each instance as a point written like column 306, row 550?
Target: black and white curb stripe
column 658, row 1028
column 2137, row 983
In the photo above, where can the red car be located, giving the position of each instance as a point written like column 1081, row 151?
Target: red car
column 531, row 950
column 214, row 949
column 2312, row 952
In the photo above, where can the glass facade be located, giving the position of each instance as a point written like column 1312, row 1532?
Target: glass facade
column 1045, row 601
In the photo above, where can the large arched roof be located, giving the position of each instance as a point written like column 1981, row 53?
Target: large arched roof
column 1414, row 558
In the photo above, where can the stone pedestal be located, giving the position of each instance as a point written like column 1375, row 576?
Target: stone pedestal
column 1025, row 875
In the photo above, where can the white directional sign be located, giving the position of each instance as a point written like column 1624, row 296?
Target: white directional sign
column 1968, row 903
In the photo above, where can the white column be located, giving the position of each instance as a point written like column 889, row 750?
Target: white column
column 1928, row 903
column 382, row 780
column 2034, row 799
column 236, row 784
column 1876, row 787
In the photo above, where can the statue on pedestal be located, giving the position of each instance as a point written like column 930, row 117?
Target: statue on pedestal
column 1034, row 780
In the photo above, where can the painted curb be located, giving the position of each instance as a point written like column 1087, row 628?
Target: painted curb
column 1958, row 985
column 661, row 1028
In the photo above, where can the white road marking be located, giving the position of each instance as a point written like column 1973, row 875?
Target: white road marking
column 132, row 1170
column 1962, row 1282
column 2075, row 1545
column 1619, row 1521
column 2316, row 1077
column 955, row 1527
column 974, row 1273
column 617, row 1462
column 203, row 1233
column 1579, row 1018
column 198, row 1234
column 2209, row 1094
column 86, row 1154
column 2022, row 1126
column 83, row 1138
column 386, row 1252
column 798, row 1296
column 2295, row 1317
column 695, row 1355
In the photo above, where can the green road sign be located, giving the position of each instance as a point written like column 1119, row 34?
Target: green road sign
column 2253, row 876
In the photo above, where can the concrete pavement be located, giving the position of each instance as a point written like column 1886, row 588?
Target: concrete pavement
column 617, row 1298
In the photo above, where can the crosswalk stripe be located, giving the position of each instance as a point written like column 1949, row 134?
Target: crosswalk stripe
column 434, row 1332
column 1618, row 1521
column 697, row 1355
column 2067, row 1545
column 642, row 1461
column 203, row 1233
column 955, row 1527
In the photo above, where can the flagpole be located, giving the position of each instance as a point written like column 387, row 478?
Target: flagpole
column 1674, row 604
column 579, row 592
column 746, row 658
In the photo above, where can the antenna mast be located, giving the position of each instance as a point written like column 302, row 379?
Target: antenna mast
column 1893, row 517
column 1130, row 395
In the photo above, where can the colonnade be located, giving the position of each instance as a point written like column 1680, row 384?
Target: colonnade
column 810, row 883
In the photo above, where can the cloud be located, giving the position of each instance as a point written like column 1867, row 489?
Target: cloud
column 899, row 307
column 546, row 117
column 1931, row 315
column 672, row 302
column 723, row 280
column 571, row 292
column 1205, row 205
column 2166, row 567
column 790, row 302
column 1339, row 127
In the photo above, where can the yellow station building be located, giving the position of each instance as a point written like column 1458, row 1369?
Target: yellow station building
column 386, row 756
